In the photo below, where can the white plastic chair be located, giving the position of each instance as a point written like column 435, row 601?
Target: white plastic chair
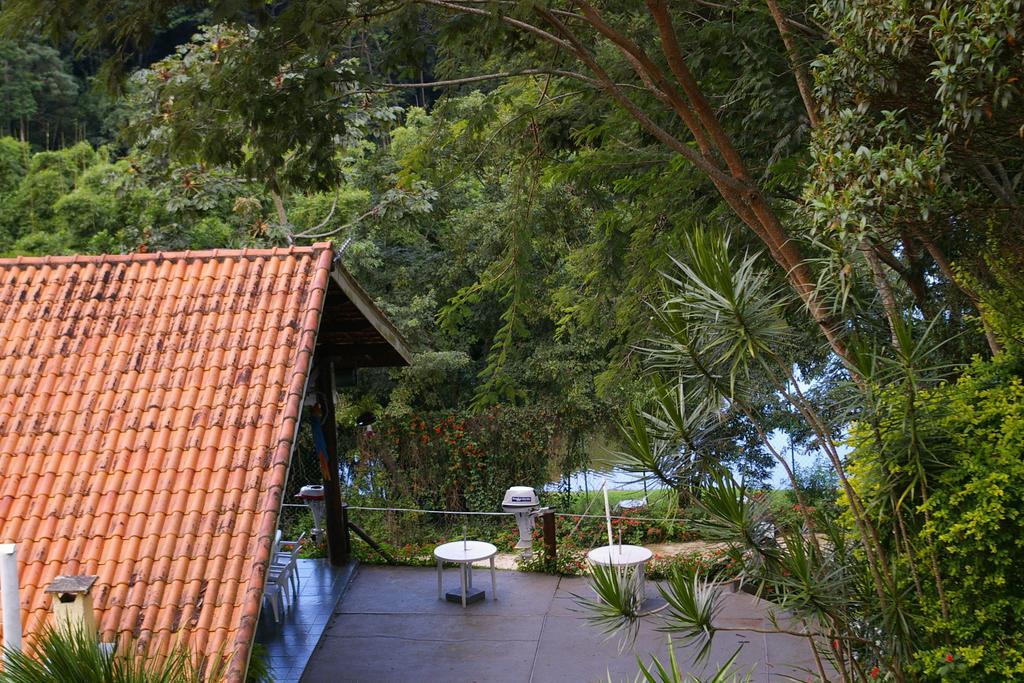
column 275, row 547
column 280, row 570
column 286, row 562
column 272, row 592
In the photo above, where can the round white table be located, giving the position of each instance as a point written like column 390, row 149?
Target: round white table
column 465, row 553
column 628, row 558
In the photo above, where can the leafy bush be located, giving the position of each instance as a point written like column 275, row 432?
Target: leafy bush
column 976, row 510
column 819, row 486
column 969, row 557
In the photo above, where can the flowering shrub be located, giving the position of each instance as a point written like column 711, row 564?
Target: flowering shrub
column 455, row 462
column 716, row 564
column 569, row 561
column 410, row 554
column 634, row 528
column 577, row 536
column 572, row 561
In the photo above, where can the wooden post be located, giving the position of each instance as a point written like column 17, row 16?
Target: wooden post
column 550, row 542
column 337, row 527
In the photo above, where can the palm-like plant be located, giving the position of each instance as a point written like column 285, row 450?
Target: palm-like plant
column 725, row 343
column 815, row 593
column 656, row 672
column 674, row 436
column 67, row 654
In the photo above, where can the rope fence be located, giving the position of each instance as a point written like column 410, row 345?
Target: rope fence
column 637, row 519
column 491, row 514
column 433, row 512
column 406, row 532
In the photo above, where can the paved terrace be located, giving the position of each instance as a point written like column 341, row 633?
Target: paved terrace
column 390, row 626
column 290, row 642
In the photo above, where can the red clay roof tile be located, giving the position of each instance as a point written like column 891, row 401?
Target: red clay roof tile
column 148, row 403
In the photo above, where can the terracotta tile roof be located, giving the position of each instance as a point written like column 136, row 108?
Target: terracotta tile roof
column 148, row 406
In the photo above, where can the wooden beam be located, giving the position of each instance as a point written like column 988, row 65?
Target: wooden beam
column 364, row 337
column 337, row 525
column 550, row 538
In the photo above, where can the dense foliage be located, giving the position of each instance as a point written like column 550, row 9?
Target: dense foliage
column 45, row 100
column 963, row 473
column 722, row 223
column 454, row 462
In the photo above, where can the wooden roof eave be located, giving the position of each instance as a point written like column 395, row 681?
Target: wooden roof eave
column 373, row 315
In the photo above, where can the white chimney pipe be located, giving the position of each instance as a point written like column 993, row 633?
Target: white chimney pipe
column 10, row 599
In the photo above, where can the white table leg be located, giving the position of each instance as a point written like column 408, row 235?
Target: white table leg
column 494, row 582
column 440, row 572
column 464, row 566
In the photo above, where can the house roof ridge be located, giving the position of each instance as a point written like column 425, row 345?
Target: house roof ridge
column 241, row 253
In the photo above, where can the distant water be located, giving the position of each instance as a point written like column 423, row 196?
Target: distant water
column 591, row 480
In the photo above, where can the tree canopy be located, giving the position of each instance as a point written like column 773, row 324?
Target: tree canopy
column 706, row 224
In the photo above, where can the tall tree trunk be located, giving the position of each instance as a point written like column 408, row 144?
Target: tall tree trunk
column 883, row 287
column 282, row 216
column 689, row 103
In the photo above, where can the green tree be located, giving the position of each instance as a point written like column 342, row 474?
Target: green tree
column 36, row 90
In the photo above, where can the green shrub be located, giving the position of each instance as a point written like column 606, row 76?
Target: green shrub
column 964, row 472
column 976, row 511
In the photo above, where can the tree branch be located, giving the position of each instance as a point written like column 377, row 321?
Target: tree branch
column 803, row 83
column 511, row 21
column 676, row 62
column 943, row 263
column 574, row 45
column 489, row 77
column 884, row 288
column 650, row 73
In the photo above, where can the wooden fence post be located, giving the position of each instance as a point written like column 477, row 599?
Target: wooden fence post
column 550, row 541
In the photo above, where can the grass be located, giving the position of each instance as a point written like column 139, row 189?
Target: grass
column 658, row 500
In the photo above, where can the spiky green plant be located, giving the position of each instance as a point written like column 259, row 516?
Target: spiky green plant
column 617, row 607
column 67, row 654
column 657, row 673
column 724, row 337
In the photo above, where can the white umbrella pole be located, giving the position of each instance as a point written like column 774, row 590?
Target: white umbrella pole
column 608, row 514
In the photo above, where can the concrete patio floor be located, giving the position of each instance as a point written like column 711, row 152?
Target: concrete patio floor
column 390, row 626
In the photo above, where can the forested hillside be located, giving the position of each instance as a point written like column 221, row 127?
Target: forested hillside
column 516, row 230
